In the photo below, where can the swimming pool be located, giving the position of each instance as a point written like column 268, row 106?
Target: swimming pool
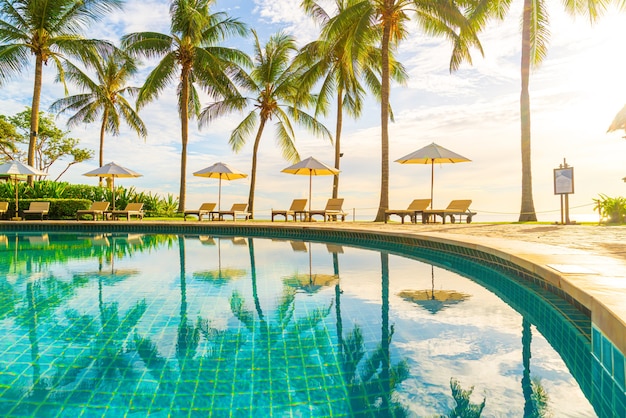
column 115, row 324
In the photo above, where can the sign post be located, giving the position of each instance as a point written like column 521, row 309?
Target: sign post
column 564, row 186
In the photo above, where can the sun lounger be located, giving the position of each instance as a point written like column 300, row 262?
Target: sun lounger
column 417, row 207
column 333, row 210
column 37, row 209
column 297, row 208
column 456, row 207
column 132, row 209
column 205, row 209
column 97, row 208
column 4, row 208
column 238, row 209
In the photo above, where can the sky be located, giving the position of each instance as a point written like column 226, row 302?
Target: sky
column 574, row 95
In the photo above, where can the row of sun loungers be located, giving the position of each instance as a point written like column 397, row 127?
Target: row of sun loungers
column 297, row 211
column 98, row 209
column 238, row 210
column 418, row 208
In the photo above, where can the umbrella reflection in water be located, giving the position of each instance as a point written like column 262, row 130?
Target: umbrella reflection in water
column 309, row 282
column 434, row 300
column 223, row 274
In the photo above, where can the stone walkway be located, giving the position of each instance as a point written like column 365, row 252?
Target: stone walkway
column 596, row 239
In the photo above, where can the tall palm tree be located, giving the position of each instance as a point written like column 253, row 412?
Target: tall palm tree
column 193, row 55
column 104, row 98
column 535, row 35
column 457, row 21
column 49, row 31
column 274, row 81
column 342, row 64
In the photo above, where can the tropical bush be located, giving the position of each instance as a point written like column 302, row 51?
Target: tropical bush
column 611, row 209
column 65, row 198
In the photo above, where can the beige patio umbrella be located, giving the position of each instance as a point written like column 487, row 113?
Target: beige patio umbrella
column 311, row 167
column 220, row 171
column 431, row 154
column 112, row 171
column 15, row 169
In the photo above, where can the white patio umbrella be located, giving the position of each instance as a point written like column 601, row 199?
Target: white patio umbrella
column 112, row 170
column 220, row 171
column 311, row 167
column 15, row 169
column 431, row 154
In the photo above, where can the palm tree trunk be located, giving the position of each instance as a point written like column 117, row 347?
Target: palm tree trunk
column 384, row 121
column 184, row 126
column 105, row 116
column 527, row 212
column 34, row 115
column 338, row 141
column 255, row 151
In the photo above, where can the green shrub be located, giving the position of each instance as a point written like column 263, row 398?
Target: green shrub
column 65, row 198
column 611, row 209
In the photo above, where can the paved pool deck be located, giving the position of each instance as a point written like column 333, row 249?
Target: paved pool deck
column 588, row 262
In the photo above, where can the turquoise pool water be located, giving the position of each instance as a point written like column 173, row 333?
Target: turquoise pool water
column 115, row 325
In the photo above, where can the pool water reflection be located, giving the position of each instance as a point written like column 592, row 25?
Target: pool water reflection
column 171, row 325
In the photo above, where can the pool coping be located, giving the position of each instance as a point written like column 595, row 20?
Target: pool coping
column 597, row 282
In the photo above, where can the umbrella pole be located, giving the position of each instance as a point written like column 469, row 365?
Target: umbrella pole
column 432, row 181
column 113, row 186
column 219, row 196
column 310, row 182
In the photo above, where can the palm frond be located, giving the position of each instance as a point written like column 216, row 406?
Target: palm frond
column 131, row 117
column 286, row 140
column 147, row 44
column 163, row 74
column 308, row 122
column 241, row 133
column 13, row 59
column 539, row 32
column 221, row 108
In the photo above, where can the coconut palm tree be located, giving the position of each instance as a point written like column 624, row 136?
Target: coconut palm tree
column 193, row 55
column 342, row 65
column 457, row 21
column 274, row 81
column 49, row 31
column 104, row 97
column 535, row 34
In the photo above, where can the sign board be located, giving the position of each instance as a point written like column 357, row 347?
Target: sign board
column 564, row 180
